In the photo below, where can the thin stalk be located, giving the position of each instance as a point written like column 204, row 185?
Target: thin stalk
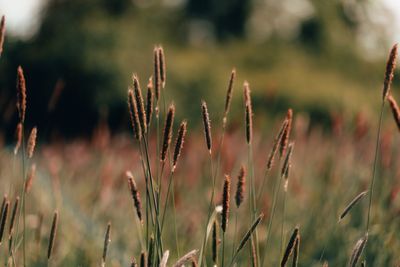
column 166, row 200
column 371, row 188
column 22, row 211
column 252, row 190
column 283, row 222
column 175, row 228
column 154, row 200
column 272, row 214
column 235, row 232
column 223, row 249
column 210, row 207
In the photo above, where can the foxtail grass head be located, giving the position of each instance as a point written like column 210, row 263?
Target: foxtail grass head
column 53, row 233
column 2, row 32
column 229, row 94
column 139, row 104
column 248, row 112
column 32, row 142
column 167, row 135
column 207, row 125
column 135, row 195
column 389, row 73
column 226, row 202
column 21, row 94
column 240, row 188
column 179, row 144
column 134, row 115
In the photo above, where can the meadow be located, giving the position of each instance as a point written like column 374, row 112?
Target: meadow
column 165, row 193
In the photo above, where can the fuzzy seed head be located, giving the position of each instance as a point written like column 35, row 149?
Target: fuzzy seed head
column 167, row 136
column 21, row 94
column 149, row 102
column 248, row 112
column 135, row 195
column 390, row 67
column 32, row 142
column 240, row 188
column 229, row 93
column 2, row 32
column 139, row 104
column 161, row 58
column 225, row 202
column 286, row 134
column 395, row 110
column 179, row 144
column 157, row 73
column 18, row 133
column 53, row 233
column 134, row 115
column 207, row 125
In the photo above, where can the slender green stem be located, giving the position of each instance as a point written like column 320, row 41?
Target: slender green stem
column 252, row 190
column 22, row 196
column 371, row 188
column 166, row 200
column 210, row 208
column 174, row 212
column 235, row 232
column 283, row 222
column 158, row 230
column 272, row 214
column 223, row 249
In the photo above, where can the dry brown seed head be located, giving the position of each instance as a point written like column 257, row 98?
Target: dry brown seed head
column 107, row 240
column 18, row 133
column 32, row 142
column 286, row 134
column 395, row 110
column 167, row 136
column 389, row 73
column 134, row 115
column 248, row 112
column 351, row 204
column 149, row 104
column 290, row 246
column 135, row 195
column 21, row 94
column 161, row 58
column 2, row 32
column 13, row 216
column 3, row 219
column 139, row 104
column 240, row 188
column 179, row 144
column 53, row 233
column 225, row 202
column 207, row 125
column 215, row 237
column 157, row 73
column 29, row 180
column 229, row 93
column 357, row 250
column 287, row 165
column 277, row 142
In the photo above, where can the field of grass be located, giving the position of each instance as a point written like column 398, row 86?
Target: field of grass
column 226, row 194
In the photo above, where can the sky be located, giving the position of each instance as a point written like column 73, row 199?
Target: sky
column 22, row 16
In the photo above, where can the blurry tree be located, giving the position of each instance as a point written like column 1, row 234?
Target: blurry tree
column 229, row 17
column 90, row 47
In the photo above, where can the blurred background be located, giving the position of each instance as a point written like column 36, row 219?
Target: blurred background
column 325, row 58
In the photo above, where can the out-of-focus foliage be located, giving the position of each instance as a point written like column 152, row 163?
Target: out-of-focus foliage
column 305, row 54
